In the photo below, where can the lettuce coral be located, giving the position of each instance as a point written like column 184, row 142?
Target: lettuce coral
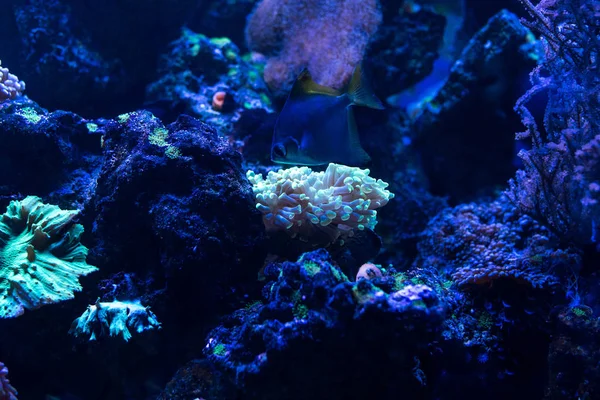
column 41, row 257
column 337, row 201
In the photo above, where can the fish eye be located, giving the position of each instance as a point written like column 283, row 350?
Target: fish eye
column 279, row 150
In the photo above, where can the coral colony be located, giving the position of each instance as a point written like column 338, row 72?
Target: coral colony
column 292, row 199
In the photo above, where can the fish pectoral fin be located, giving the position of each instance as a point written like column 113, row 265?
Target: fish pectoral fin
column 360, row 93
column 358, row 154
column 306, row 85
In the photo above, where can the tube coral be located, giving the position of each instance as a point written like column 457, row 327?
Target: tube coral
column 337, row 201
column 10, row 85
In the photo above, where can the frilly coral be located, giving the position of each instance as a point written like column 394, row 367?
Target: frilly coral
column 10, row 85
column 41, row 257
column 337, row 201
column 115, row 318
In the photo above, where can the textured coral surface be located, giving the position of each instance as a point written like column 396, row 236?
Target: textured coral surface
column 327, row 37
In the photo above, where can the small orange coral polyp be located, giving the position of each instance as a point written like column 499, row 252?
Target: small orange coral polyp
column 218, row 100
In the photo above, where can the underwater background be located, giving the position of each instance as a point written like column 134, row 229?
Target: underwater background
column 299, row 199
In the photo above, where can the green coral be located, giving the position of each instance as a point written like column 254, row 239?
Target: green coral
column 219, row 350
column 253, row 304
column 300, row 311
column 485, row 321
column 92, row 127
column 123, row 118
column 172, row 152
column 158, row 137
column 312, row 268
column 30, row 115
column 220, row 41
column 580, row 311
column 41, row 257
column 400, row 279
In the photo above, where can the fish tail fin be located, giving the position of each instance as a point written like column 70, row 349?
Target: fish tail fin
column 360, row 93
column 357, row 155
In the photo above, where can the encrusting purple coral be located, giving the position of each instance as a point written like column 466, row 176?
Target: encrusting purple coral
column 481, row 243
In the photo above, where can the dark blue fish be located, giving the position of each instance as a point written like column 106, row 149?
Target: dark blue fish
column 317, row 126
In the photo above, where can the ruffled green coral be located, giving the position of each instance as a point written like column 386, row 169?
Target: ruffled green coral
column 41, row 257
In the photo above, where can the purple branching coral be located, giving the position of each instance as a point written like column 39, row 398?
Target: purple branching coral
column 480, row 243
column 560, row 182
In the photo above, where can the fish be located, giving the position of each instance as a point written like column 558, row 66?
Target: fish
column 316, row 125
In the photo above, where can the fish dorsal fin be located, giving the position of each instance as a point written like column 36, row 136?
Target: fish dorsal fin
column 360, row 93
column 306, row 85
column 359, row 155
